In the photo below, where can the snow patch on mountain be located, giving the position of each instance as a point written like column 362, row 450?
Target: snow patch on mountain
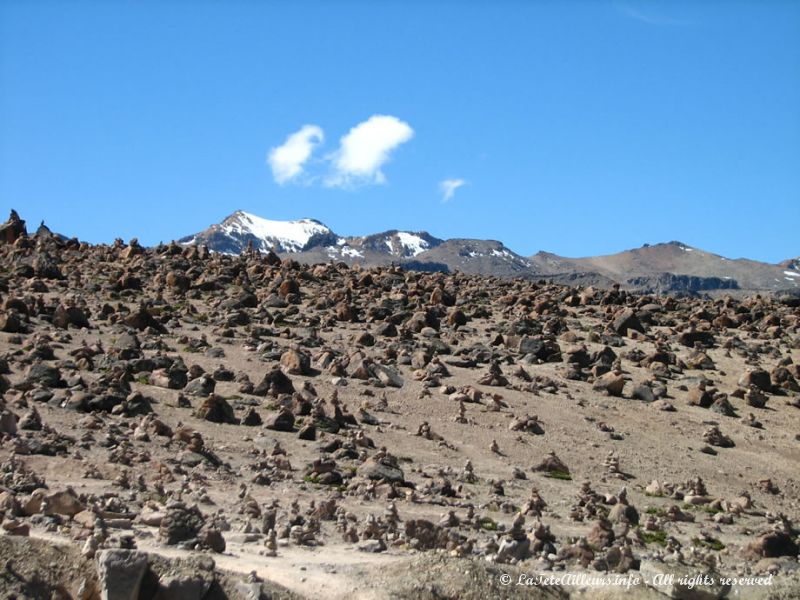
column 412, row 243
column 293, row 236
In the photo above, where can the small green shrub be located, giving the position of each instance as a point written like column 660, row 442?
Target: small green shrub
column 564, row 476
column 654, row 537
column 710, row 542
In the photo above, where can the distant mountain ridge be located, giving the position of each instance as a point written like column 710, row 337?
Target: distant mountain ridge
column 666, row 267
column 652, row 265
column 308, row 240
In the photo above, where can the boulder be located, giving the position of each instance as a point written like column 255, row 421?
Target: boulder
column 771, row 545
column 386, row 329
column 44, row 375
column 213, row 540
column 65, row 316
column 173, row 379
column 691, row 337
column 456, row 318
column 178, row 281
column 296, row 362
column 386, row 375
column 601, row 535
column 274, row 383
column 11, row 322
column 283, row 420
column 217, row 410
column 201, row 386
column 8, row 423
column 62, row 503
column 624, row 320
column 552, row 464
column 643, row 392
column 377, row 468
column 698, row 396
column 141, row 319
column 758, row 378
column 13, row 229
column 612, row 383
column 180, row 523
column 120, row 573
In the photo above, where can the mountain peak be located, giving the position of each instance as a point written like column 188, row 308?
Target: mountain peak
column 241, row 228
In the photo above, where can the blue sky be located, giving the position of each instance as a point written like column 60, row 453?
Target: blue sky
column 580, row 128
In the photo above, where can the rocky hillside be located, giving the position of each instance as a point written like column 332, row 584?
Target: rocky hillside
column 177, row 423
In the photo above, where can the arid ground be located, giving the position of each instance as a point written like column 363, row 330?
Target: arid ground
column 192, row 425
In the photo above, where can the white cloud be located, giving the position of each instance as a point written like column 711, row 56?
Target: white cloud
column 448, row 188
column 365, row 148
column 287, row 160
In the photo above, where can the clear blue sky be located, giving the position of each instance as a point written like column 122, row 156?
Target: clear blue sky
column 579, row 128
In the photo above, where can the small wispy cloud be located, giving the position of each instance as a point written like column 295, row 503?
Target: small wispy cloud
column 287, row 160
column 448, row 188
column 365, row 149
column 645, row 12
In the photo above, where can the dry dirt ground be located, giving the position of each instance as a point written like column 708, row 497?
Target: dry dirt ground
column 130, row 372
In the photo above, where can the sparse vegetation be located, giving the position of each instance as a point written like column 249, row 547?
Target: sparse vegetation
column 562, row 475
column 654, row 537
column 709, row 542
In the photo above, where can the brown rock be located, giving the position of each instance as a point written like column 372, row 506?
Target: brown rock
column 552, row 464
column 456, row 318
column 62, row 503
column 283, row 420
column 626, row 319
column 213, row 540
column 8, row 423
column 217, row 410
column 274, row 383
column 11, row 322
column 13, row 229
column 698, row 396
column 65, row 316
column 601, row 535
column 178, row 281
column 296, row 362
column 612, row 383
column 17, row 528
column 288, row 286
column 758, row 378
column 180, row 523
column 771, row 545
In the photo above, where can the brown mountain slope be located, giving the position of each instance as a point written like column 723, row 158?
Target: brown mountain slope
column 662, row 262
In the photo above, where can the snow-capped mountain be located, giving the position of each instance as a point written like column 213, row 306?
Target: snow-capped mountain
column 236, row 231
column 310, row 241
column 241, row 228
